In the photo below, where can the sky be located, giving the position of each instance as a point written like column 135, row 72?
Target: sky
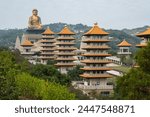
column 109, row 14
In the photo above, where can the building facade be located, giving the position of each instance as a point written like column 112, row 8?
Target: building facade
column 145, row 37
column 124, row 48
column 95, row 75
column 65, row 50
column 47, row 46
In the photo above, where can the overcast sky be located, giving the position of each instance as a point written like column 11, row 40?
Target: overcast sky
column 116, row 14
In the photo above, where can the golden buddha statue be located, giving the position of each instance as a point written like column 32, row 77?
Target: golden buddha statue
column 34, row 20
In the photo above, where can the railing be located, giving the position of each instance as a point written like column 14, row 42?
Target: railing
column 27, row 52
column 48, row 53
column 66, row 53
column 66, row 48
column 46, row 36
column 123, row 52
column 97, row 53
column 95, row 46
column 96, row 38
column 110, row 87
column 63, row 37
column 47, row 45
column 63, row 43
column 71, row 58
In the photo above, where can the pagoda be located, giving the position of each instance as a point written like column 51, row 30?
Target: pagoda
column 145, row 36
column 65, row 50
column 27, row 49
column 95, row 75
column 48, row 46
column 124, row 48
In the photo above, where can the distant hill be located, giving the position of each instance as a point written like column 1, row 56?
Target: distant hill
column 8, row 37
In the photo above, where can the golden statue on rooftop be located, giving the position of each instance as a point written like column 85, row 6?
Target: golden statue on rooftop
column 34, row 20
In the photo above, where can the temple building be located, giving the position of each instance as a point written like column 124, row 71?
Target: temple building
column 27, row 50
column 145, row 36
column 95, row 75
column 47, row 46
column 124, row 48
column 65, row 50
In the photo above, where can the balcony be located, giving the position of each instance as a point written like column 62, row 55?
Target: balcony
column 48, row 53
column 66, row 59
column 124, row 53
column 43, row 49
column 47, row 57
column 92, row 68
column 102, row 87
column 47, row 45
column 65, row 38
column 96, row 61
column 66, row 53
column 65, row 64
column 65, row 43
column 97, row 40
column 26, row 53
column 85, row 75
column 89, row 47
column 66, row 48
column 52, row 41
column 96, row 54
column 46, row 36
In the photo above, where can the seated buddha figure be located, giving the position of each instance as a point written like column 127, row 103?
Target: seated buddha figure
column 34, row 20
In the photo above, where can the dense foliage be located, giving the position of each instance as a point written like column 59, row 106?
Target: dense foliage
column 30, row 87
column 18, row 81
column 136, row 83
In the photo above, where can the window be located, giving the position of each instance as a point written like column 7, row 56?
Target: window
column 105, row 93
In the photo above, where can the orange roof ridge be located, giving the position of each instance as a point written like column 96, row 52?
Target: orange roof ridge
column 48, row 31
column 96, row 30
column 144, row 33
column 27, row 43
column 66, row 31
column 124, row 43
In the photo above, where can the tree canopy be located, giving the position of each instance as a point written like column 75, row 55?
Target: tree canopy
column 136, row 83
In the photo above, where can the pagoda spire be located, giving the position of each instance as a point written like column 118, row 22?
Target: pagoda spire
column 17, row 44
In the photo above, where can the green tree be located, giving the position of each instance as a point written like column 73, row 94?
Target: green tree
column 75, row 73
column 143, row 58
column 136, row 83
column 50, row 73
column 8, row 70
column 30, row 87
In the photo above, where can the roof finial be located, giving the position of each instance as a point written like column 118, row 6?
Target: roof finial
column 95, row 23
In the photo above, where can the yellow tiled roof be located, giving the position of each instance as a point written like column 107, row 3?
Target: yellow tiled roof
column 66, row 31
column 48, row 31
column 141, row 45
column 145, row 33
column 96, row 30
column 124, row 43
column 26, row 43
